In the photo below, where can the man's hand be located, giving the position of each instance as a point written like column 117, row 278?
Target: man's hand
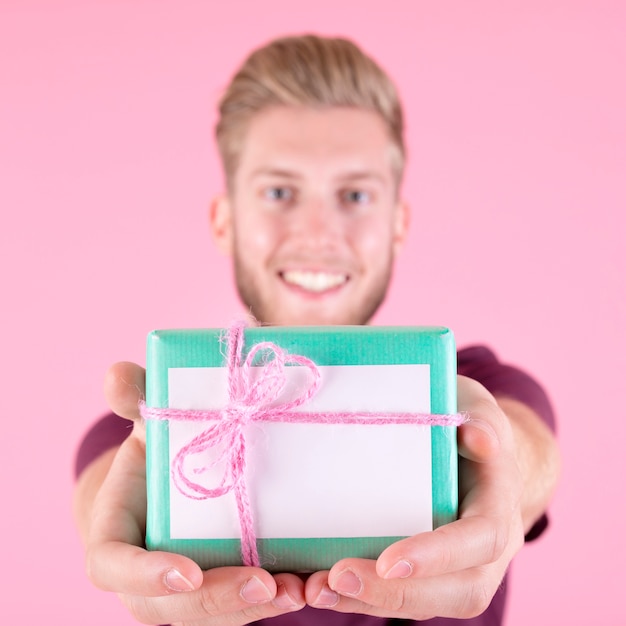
column 455, row 570
column 159, row 587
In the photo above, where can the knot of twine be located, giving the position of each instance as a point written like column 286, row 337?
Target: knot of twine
column 254, row 398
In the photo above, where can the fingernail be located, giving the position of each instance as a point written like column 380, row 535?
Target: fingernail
column 327, row 598
column 283, row 600
column 402, row 569
column 255, row 592
column 175, row 581
column 348, row 583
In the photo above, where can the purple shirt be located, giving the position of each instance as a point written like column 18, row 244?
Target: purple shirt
column 476, row 362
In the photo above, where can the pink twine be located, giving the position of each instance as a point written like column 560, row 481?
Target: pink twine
column 255, row 401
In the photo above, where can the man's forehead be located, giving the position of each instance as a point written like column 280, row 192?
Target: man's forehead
column 293, row 122
column 282, row 140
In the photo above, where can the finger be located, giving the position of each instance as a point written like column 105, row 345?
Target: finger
column 128, row 569
column 232, row 595
column 358, row 589
column 124, row 387
column 289, row 592
column 487, row 430
column 470, row 542
column 318, row 594
column 487, row 453
column 119, row 509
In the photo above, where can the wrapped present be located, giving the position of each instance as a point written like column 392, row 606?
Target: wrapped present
column 293, row 447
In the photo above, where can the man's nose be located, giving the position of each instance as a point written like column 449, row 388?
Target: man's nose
column 317, row 221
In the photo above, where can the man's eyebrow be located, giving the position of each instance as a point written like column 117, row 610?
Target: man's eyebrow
column 274, row 172
column 361, row 175
column 345, row 177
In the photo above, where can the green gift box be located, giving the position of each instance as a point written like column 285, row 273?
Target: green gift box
column 318, row 492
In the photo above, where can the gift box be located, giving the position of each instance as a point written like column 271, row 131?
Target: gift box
column 352, row 465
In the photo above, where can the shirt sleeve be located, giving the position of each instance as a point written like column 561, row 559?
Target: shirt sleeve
column 481, row 364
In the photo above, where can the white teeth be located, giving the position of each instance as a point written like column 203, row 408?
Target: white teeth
column 314, row 281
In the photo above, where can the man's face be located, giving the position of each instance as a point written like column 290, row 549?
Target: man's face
column 313, row 220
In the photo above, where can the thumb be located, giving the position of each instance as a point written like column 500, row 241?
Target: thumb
column 124, row 387
column 479, row 438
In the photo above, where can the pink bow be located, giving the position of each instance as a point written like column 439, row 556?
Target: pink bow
column 251, row 398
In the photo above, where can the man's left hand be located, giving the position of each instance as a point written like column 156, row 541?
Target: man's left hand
column 455, row 570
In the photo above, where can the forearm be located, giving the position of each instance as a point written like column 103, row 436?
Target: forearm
column 538, row 458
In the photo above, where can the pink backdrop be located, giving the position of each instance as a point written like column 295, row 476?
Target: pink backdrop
column 517, row 155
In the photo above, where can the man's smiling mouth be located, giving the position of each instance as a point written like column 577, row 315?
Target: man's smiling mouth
column 314, row 281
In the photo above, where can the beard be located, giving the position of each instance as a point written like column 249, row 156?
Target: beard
column 265, row 311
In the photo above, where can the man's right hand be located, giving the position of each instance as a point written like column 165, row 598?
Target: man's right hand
column 160, row 587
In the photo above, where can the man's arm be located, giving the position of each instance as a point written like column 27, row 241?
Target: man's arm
column 159, row 587
column 537, row 456
column 509, row 468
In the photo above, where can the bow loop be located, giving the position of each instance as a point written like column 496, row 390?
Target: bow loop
column 255, row 389
column 262, row 385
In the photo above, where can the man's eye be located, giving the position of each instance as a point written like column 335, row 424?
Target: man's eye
column 278, row 194
column 356, row 196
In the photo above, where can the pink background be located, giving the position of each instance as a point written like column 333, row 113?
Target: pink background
column 516, row 177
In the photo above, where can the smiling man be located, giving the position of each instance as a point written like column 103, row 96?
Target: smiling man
column 310, row 134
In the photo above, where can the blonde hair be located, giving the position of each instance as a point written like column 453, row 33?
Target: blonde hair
column 306, row 71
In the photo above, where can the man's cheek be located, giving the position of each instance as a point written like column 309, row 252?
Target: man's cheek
column 370, row 239
column 257, row 242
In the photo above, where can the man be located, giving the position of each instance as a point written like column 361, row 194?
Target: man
column 310, row 134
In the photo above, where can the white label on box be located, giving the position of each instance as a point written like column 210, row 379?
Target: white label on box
column 315, row 480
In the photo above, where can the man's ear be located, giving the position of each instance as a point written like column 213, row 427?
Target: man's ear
column 221, row 222
column 401, row 221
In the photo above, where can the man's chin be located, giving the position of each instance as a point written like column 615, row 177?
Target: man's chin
column 340, row 309
column 308, row 317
